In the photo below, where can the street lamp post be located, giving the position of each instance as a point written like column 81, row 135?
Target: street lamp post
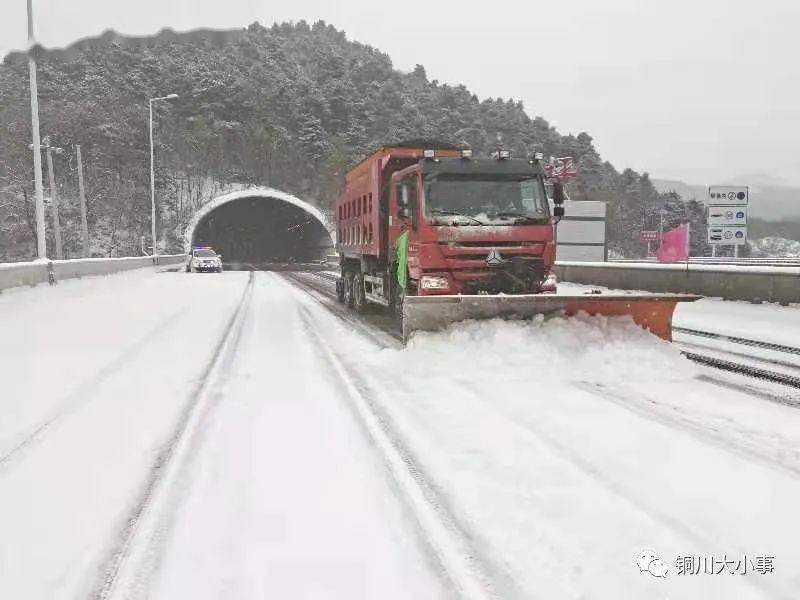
column 153, row 176
column 41, row 239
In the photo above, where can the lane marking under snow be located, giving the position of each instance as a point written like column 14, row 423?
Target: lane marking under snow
column 121, row 571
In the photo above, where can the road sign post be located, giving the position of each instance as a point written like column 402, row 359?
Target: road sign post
column 727, row 216
column 648, row 237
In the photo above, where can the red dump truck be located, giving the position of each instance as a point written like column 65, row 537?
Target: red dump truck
column 438, row 236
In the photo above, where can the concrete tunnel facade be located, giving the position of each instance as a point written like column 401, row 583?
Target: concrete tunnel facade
column 261, row 226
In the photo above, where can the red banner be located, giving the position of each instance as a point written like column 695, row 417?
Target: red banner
column 674, row 245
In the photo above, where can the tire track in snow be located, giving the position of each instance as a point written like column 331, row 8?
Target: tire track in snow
column 582, row 464
column 626, row 493
column 134, row 544
column 84, row 393
column 440, row 530
column 652, row 410
column 381, row 336
column 786, row 398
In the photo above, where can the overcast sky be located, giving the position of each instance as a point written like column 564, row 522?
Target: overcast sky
column 700, row 90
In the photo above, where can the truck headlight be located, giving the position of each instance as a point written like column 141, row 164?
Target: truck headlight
column 429, row 282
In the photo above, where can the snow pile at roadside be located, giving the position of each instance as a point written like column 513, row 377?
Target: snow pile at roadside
column 566, row 447
column 582, row 348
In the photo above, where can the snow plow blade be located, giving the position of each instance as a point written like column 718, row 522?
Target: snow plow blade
column 431, row 313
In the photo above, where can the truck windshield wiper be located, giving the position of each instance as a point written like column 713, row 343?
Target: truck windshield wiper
column 451, row 213
column 519, row 217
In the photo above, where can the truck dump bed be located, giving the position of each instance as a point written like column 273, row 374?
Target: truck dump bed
column 362, row 209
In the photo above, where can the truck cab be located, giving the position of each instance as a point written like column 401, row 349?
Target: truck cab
column 474, row 226
column 413, row 221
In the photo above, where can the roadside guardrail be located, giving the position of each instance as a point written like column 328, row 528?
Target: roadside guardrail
column 35, row 272
column 724, row 260
column 733, row 282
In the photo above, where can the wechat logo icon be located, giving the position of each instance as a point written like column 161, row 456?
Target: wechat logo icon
column 649, row 561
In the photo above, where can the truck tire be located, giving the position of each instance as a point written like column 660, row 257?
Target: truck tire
column 348, row 289
column 340, row 289
column 359, row 294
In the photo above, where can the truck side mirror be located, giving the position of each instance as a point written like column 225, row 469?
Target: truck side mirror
column 558, row 193
column 558, row 211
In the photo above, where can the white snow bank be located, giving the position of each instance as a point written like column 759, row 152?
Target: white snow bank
column 566, row 447
column 571, row 348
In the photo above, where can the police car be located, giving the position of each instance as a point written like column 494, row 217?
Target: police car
column 203, row 259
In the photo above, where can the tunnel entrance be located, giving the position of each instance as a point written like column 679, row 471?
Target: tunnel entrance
column 259, row 231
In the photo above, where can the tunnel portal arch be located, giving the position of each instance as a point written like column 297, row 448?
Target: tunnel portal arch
column 255, row 193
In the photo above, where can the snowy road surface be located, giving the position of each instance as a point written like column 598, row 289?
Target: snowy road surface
column 540, row 458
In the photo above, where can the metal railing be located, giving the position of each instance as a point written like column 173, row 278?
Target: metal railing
column 723, row 260
column 753, row 282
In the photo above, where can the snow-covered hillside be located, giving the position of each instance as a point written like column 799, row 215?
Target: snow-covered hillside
column 775, row 247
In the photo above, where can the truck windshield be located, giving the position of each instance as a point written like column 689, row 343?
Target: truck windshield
column 485, row 200
column 205, row 253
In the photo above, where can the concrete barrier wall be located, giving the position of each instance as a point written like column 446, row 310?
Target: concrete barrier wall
column 770, row 284
column 36, row 272
column 20, row 274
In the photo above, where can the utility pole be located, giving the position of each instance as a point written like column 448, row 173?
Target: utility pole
column 54, row 198
column 153, row 176
column 688, row 240
column 82, row 193
column 153, row 191
column 41, row 238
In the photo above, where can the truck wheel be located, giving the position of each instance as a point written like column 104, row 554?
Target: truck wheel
column 340, row 289
column 359, row 294
column 348, row 289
